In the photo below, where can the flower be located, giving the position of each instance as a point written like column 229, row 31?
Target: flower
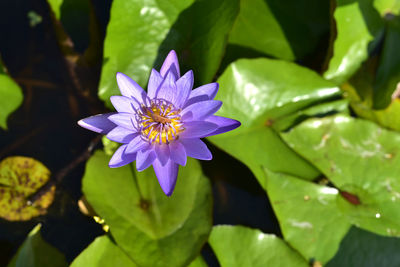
column 163, row 127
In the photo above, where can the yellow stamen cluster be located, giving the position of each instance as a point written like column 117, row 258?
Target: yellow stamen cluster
column 160, row 123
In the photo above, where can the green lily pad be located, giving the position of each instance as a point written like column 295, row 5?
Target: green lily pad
column 280, row 29
column 360, row 159
column 358, row 23
column 258, row 92
column 141, row 33
column 103, row 252
column 10, row 96
column 36, row 252
column 309, row 217
column 143, row 221
column 134, row 33
column 242, row 246
column 20, row 177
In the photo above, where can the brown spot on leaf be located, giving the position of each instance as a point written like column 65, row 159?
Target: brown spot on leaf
column 269, row 122
column 144, row 204
column 353, row 199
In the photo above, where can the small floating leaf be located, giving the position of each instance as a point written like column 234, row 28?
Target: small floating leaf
column 20, row 177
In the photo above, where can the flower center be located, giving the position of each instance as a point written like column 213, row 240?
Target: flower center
column 160, row 122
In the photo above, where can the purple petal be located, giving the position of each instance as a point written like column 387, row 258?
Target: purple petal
column 124, row 104
column 126, row 120
column 121, row 135
column 120, row 159
column 130, row 88
column 202, row 93
column 154, row 82
column 98, row 123
column 171, row 63
column 178, row 153
column 184, row 85
column 197, row 129
column 224, row 124
column 200, row 110
column 162, row 152
column 136, row 144
column 166, row 175
column 196, row 148
column 167, row 89
column 144, row 159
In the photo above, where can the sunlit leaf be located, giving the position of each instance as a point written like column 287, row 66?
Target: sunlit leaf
column 309, row 218
column 143, row 221
column 242, row 246
column 258, row 92
column 358, row 23
column 134, row 33
column 360, row 159
column 20, row 178
column 141, row 33
column 35, row 252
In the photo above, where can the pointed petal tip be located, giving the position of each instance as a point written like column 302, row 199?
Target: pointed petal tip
column 98, row 123
column 170, row 62
column 168, row 194
column 172, row 53
column 224, row 124
column 166, row 175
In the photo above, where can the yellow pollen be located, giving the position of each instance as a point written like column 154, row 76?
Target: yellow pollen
column 160, row 123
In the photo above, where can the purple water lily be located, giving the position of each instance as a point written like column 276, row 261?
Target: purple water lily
column 163, row 127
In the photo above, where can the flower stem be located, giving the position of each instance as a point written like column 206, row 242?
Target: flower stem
column 135, row 180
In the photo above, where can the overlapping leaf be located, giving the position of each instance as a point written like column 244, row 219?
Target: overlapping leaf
column 361, row 159
column 143, row 221
column 358, row 23
column 242, row 246
column 309, row 217
column 258, row 93
column 141, row 33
